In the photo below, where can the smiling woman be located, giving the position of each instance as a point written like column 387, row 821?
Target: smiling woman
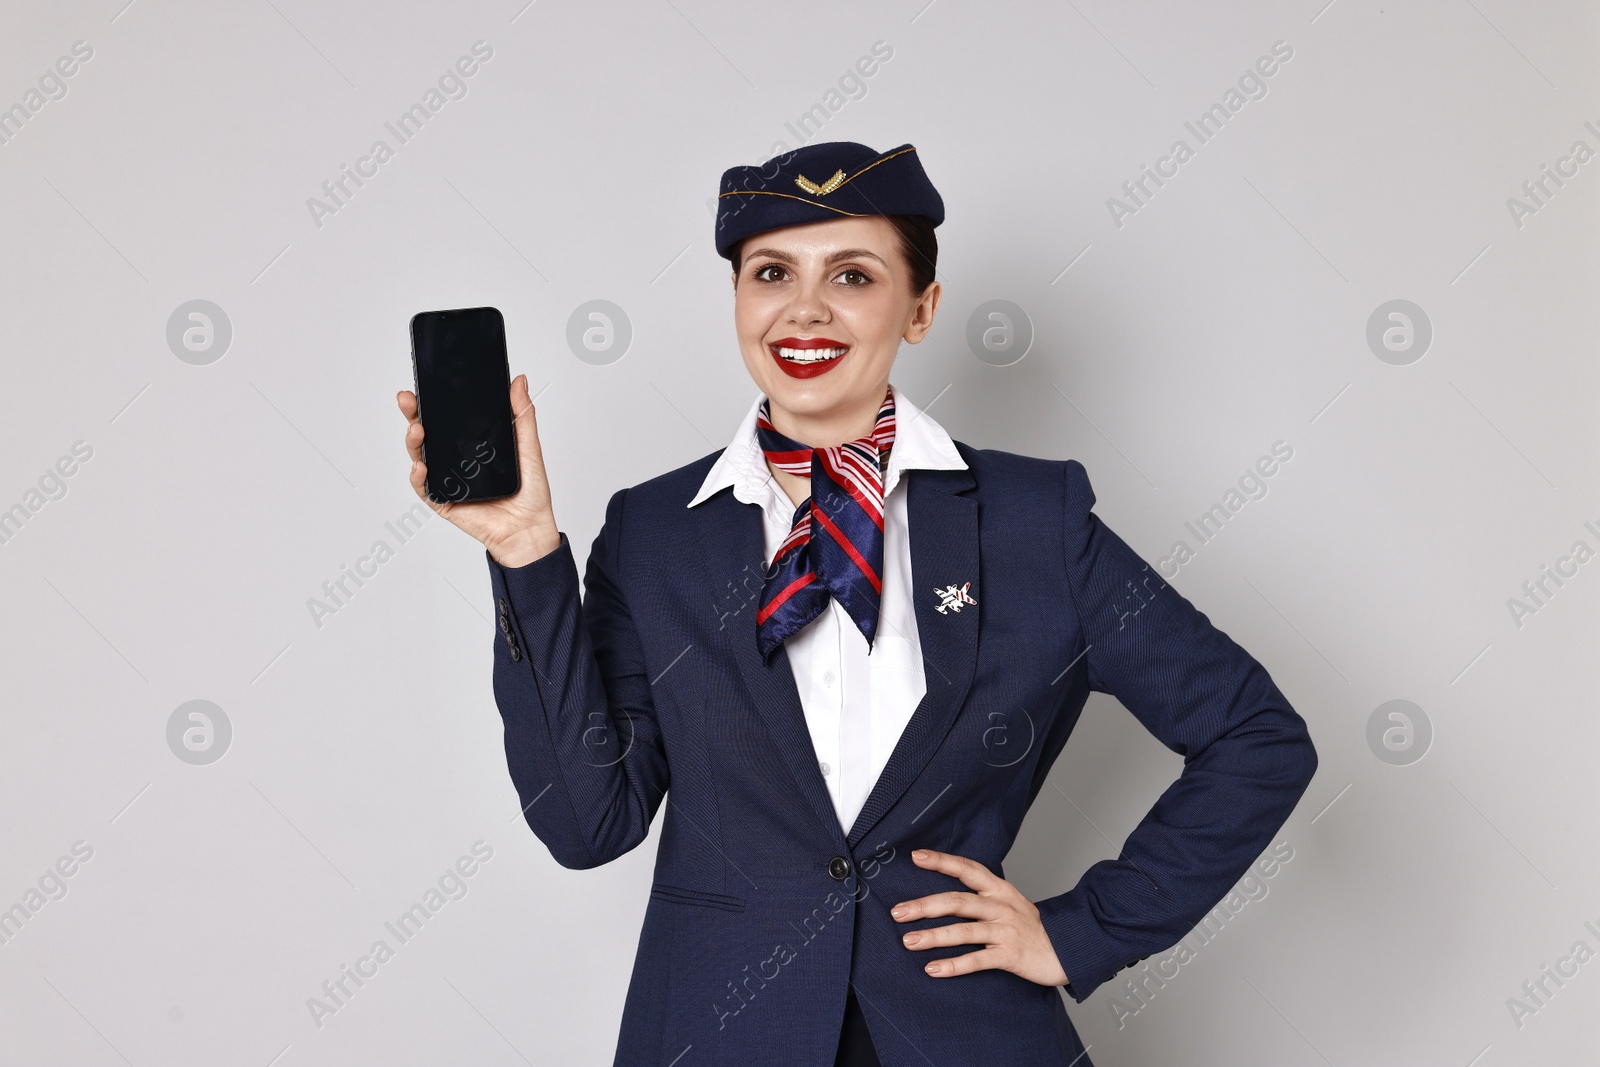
column 918, row 253
column 848, row 719
column 870, row 282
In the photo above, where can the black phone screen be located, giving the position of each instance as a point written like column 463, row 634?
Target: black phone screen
column 464, row 402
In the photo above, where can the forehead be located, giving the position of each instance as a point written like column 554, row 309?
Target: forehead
column 872, row 232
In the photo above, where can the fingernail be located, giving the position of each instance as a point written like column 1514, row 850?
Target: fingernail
column 912, row 939
column 919, row 854
column 898, row 911
column 932, row 968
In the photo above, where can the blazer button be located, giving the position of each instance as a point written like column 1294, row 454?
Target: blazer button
column 516, row 654
column 839, row 868
column 503, row 608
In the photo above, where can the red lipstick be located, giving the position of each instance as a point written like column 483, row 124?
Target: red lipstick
column 800, row 366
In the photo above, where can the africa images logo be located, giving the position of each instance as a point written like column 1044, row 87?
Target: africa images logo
column 451, row 85
column 1252, row 85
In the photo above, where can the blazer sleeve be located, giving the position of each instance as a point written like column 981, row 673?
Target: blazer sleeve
column 570, row 680
column 1247, row 755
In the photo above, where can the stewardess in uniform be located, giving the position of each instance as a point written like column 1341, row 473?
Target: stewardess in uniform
column 797, row 648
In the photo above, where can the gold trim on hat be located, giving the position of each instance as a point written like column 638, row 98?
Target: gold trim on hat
column 874, row 163
column 819, row 190
column 788, row 196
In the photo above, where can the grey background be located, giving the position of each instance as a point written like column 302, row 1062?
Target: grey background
column 1169, row 353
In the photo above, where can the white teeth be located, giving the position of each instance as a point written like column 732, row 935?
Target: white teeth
column 811, row 355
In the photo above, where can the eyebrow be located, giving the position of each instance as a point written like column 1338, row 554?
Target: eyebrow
column 846, row 253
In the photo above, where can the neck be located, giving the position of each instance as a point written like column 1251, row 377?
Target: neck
column 833, row 427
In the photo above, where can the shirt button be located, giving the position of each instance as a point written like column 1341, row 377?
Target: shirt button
column 825, row 769
column 828, row 678
column 839, row 868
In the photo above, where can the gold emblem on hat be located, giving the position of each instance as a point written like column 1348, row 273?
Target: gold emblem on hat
column 825, row 188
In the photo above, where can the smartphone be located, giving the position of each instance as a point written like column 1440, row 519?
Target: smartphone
column 463, row 384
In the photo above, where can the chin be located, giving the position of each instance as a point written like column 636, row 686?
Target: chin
column 813, row 397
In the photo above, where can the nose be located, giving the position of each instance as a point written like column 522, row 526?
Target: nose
column 809, row 304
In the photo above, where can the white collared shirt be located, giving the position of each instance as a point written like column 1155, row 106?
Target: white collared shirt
column 856, row 703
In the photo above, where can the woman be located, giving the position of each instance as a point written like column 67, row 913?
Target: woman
column 804, row 642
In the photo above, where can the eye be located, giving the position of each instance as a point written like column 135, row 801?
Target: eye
column 865, row 279
column 760, row 273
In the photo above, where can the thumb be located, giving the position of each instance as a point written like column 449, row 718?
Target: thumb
column 529, row 457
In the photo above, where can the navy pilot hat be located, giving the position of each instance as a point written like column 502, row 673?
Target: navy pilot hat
column 831, row 180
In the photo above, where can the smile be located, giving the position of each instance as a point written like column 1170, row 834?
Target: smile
column 807, row 357
column 810, row 355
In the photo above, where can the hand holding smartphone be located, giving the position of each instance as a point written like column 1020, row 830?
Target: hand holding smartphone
column 476, row 458
column 463, row 380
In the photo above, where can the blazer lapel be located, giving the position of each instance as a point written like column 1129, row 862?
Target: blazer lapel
column 731, row 540
column 944, row 551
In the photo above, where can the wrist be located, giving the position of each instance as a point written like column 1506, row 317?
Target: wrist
column 527, row 545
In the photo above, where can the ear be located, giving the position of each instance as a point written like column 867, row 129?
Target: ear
column 922, row 314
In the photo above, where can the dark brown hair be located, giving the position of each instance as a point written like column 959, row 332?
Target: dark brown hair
column 918, row 246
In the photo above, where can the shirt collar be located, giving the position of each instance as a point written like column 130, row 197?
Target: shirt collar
column 920, row 443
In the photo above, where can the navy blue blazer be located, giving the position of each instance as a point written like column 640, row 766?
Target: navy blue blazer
column 764, row 913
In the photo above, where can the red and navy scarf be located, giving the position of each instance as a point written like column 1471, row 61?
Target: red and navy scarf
column 835, row 547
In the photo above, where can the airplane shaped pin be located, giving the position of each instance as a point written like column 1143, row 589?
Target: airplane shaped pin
column 952, row 599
